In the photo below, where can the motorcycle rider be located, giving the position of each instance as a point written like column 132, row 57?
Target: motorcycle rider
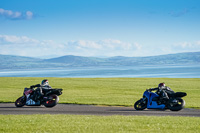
column 41, row 89
column 163, row 91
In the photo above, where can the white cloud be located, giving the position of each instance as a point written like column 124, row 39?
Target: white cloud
column 4, row 39
column 87, row 44
column 188, row 45
column 12, row 15
column 198, row 43
column 29, row 15
column 25, row 46
column 107, row 47
column 180, row 47
column 117, row 44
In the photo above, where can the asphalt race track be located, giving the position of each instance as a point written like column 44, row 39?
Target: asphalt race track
column 9, row 108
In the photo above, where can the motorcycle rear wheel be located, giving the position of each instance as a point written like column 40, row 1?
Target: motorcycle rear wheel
column 140, row 104
column 20, row 102
column 52, row 101
column 177, row 106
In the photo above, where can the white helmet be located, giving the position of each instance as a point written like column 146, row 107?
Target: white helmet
column 45, row 82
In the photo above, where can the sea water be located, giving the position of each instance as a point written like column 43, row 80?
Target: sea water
column 192, row 71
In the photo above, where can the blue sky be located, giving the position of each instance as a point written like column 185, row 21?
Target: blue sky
column 101, row 28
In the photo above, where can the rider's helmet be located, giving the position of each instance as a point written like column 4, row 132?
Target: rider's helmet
column 161, row 85
column 45, row 82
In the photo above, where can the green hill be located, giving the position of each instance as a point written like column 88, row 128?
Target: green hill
column 20, row 62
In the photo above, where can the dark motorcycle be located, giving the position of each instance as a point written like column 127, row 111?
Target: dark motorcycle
column 151, row 100
column 49, row 99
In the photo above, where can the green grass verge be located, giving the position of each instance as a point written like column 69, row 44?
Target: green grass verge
column 102, row 91
column 101, row 124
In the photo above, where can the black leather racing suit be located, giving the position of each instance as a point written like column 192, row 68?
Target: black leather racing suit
column 163, row 92
column 39, row 92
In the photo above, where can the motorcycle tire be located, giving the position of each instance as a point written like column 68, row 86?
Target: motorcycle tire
column 177, row 106
column 20, row 102
column 140, row 104
column 52, row 101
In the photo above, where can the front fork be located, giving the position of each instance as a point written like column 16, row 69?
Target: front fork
column 144, row 99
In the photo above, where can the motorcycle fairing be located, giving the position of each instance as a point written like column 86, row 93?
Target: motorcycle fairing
column 150, row 103
column 31, row 102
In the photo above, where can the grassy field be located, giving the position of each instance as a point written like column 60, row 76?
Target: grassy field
column 101, row 91
column 101, row 124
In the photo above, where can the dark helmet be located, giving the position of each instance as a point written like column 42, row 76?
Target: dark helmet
column 45, row 82
column 161, row 85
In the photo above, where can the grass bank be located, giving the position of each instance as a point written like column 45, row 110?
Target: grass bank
column 101, row 124
column 102, row 91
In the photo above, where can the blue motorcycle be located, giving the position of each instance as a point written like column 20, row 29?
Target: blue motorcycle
column 151, row 100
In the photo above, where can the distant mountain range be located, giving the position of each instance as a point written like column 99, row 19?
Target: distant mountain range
column 20, row 62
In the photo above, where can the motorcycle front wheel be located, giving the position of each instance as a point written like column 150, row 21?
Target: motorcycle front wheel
column 52, row 101
column 176, row 104
column 20, row 102
column 140, row 104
